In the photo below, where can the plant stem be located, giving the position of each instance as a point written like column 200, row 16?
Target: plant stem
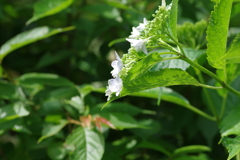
column 223, row 105
column 177, row 57
column 223, row 83
column 206, row 93
column 200, row 112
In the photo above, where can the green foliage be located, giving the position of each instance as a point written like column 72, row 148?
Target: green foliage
column 52, row 91
column 48, row 7
column 28, row 37
column 217, row 33
column 88, row 143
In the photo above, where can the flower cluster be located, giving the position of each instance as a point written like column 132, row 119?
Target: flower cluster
column 136, row 39
column 145, row 37
column 115, row 84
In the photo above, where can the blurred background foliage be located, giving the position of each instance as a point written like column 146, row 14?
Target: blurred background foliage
column 83, row 56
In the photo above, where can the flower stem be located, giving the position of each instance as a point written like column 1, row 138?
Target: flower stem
column 223, row 83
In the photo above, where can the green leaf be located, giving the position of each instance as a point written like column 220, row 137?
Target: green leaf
column 89, row 144
column 77, row 103
column 12, row 111
column 173, row 18
column 217, row 33
column 28, row 37
column 232, row 145
column 187, row 157
column 142, row 66
column 52, row 129
column 154, row 146
column 120, row 107
column 57, row 151
column 167, row 95
column 233, row 54
column 121, row 120
column 45, row 8
column 164, row 77
column 231, row 123
column 29, row 79
column 178, row 63
column 10, row 92
column 191, row 149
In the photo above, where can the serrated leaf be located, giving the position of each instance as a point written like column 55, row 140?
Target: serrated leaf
column 12, row 111
column 233, row 54
column 217, row 33
column 28, row 37
column 142, row 66
column 29, row 79
column 231, row 123
column 178, row 63
column 52, row 129
column 89, row 144
column 45, row 8
column 173, row 18
column 191, row 149
column 232, row 145
column 164, row 77
column 10, row 91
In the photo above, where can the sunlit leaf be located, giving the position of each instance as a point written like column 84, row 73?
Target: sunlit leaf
column 164, row 77
column 43, row 79
column 173, row 18
column 89, row 144
column 45, row 8
column 233, row 54
column 191, row 149
column 28, row 37
column 217, row 33
column 52, row 129
column 232, row 145
column 13, row 111
column 178, row 63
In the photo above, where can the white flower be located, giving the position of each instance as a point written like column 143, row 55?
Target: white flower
column 138, row 44
column 135, row 33
column 117, row 66
column 114, row 85
column 141, row 26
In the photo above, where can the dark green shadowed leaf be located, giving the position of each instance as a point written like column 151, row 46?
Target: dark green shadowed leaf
column 45, row 8
column 10, row 91
column 43, row 79
column 89, row 144
column 121, row 120
column 231, row 124
column 217, row 33
column 154, row 146
column 232, row 145
column 28, row 37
